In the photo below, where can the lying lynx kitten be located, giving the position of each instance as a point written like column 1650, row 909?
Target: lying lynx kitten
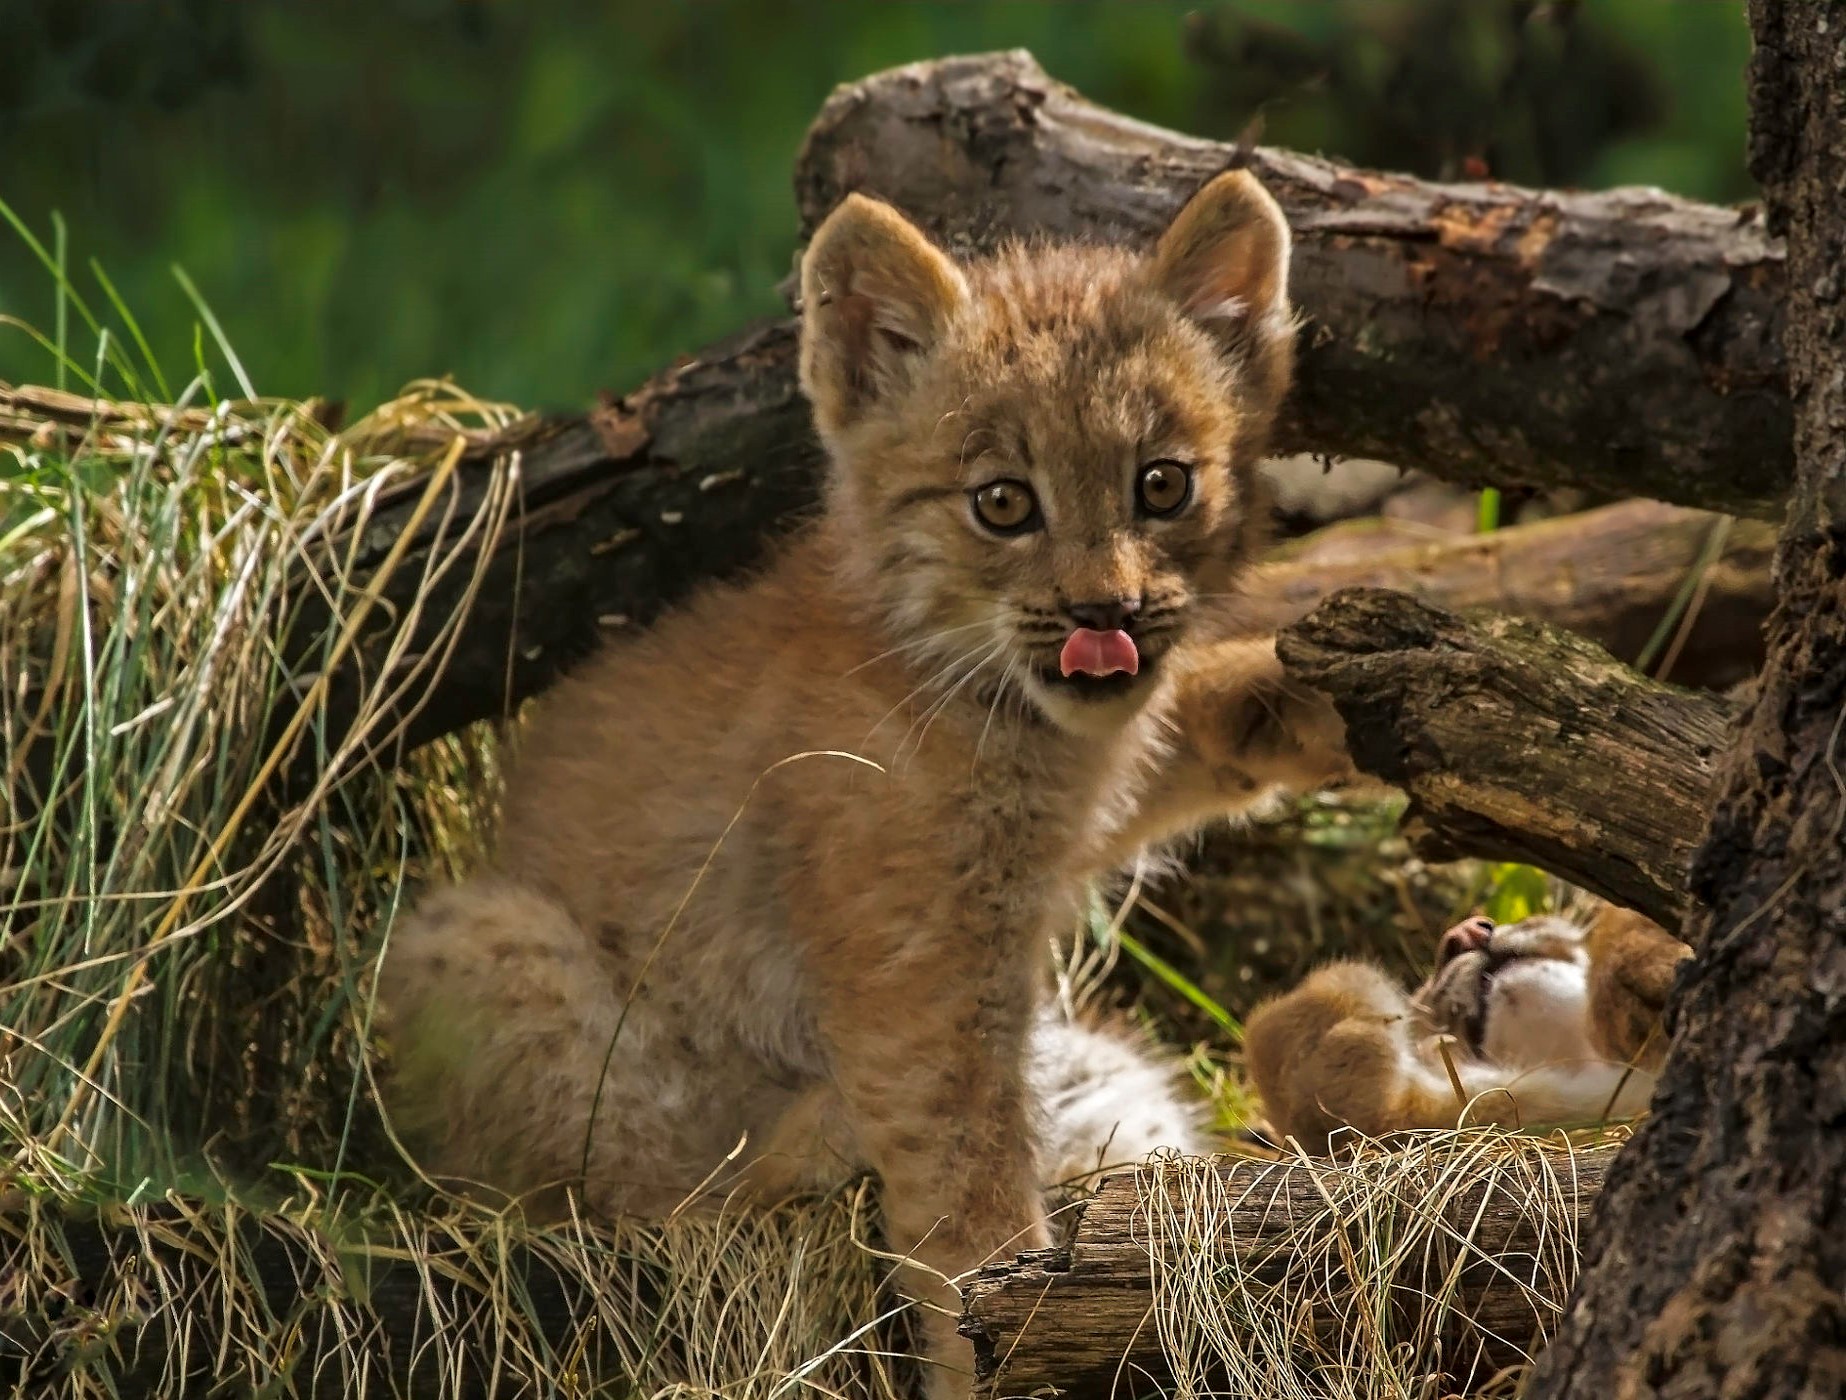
column 713, row 953
column 1538, row 1023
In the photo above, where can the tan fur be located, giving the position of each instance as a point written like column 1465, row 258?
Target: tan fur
column 1632, row 964
column 1543, row 1022
column 704, row 961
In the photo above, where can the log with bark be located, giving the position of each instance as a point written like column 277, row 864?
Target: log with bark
column 622, row 514
column 1626, row 341
column 1716, row 1264
column 1483, row 1277
column 1520, row 741
column 1616, row 575
column 619, row 514
column 109, row 1292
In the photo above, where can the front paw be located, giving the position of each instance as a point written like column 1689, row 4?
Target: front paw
column 1269, row 728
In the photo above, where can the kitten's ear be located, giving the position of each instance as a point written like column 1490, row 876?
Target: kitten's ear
column 1224, row 259
column 875, row 293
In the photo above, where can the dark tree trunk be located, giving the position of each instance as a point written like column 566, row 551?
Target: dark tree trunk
column 1716, row 1262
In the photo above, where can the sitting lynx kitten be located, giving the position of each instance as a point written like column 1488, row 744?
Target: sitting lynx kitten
column 714, row 953
column 1552, row 1023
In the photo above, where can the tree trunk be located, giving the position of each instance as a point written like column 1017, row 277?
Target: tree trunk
column 1458, row 1257
column 1716, row 1261
column 1626, row 341
column 1519, row 741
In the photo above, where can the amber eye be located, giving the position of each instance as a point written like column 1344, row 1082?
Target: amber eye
column 1006, row 507
column 1164, row 487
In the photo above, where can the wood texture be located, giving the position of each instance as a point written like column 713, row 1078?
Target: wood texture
column 1627, row 341
column 1076, row 1321
column 1519, row 741
column 620, row 514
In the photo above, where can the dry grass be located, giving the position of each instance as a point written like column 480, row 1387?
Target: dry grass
column 1452, row 1256
column 184, row 946
column 370, row 1298
column 202, row 856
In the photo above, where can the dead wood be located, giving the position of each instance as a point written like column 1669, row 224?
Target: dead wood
column 1519, row 741
column 1081, row 1321
column 1612, row 574
column 624, row 513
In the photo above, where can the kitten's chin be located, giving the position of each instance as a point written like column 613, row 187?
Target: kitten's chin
column 1092, row 707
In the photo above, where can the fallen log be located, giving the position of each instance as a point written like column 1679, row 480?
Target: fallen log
column 1452, row 1256
column 1519, row 741
column 623, row 513
column 618, row 515
column 1434, row 1260
column 1612, row 575
column 1626, row 341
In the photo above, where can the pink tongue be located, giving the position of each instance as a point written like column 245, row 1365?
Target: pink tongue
column 1099, row 653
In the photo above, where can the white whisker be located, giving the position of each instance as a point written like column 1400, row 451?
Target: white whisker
column 928, row 717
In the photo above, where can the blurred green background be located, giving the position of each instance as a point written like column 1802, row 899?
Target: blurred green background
column 544, row 198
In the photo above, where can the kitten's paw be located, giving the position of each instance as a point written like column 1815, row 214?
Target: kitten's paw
column 1254, row 724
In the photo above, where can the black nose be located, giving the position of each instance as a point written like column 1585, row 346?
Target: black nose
column 1106, row 616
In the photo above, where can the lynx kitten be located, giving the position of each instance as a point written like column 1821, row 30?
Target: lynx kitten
column 1544, row 1022
column 713, row 953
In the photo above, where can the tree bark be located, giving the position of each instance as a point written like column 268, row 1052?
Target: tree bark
column 1626, row 341
column 1519, row 741
column 1079, row 1321
column 620, row 514
column 1717, row 1258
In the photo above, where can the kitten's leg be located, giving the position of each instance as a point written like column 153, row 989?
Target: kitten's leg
column 811, row 1147
column 1632, row 965
column 929, row 1063
column 503, row 1019
column 1099, row 1098
column 1240, row 726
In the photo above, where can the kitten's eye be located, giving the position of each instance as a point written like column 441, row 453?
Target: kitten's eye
column 1006, row 507
column 1164, row 487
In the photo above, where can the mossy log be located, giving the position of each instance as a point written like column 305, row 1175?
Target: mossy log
column 1519, row 741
